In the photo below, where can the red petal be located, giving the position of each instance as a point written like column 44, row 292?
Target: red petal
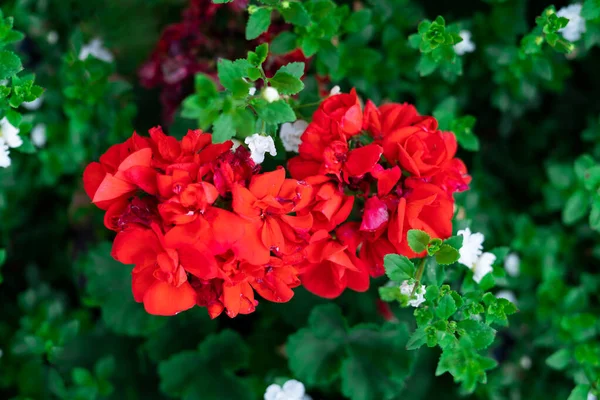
column 197, row 262
column 135, row 246
column 362, row 160
column 139, row 158
column 323, row 280
column 93, row 175
column 268, row 183
column 165, row 299
column 141, row 280
column 112, row 188
column 375, row 215
column 142, row 177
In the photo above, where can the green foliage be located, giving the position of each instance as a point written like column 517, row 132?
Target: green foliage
column 235, row 112
column 327, row 351
column 222, row 354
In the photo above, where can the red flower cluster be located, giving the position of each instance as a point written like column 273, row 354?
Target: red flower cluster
column 199, row 223
column 204, row 227
column 390, row 167
column 195, row 43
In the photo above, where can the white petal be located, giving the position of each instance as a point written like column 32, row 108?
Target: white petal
column 4, row 155
column 483, row 266
column 471, row 248
column 33, row 105
column 272, row 392
column 508, row 295
column 10, row 134
column 334, row 90
column 576, row 26
column 271, row 94
column 294, row 389
column 512, row 264
column 38, row 135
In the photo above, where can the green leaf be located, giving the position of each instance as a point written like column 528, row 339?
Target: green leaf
column 2, row 256
column 284, row 43
column 223, row 128
column 205, row 86
column 286, row 83
column 276, row 112
column 446, row 307
column 580, row 392
column 295, row 14
column 310, row 46
column 231, row 76
column 447, row 255
column 316, row 352
column 222, row 354
column 559, row 359
column 10, row 64
column 455, row 241
column 418, row 240
column 588, row 353
column 398, row 268
column 358, row 20
column 465, row 364
column 591, row 9
column 258, row 23
column 390, row 293
column 383, row 347
column 417, row 339
column 221, row 1
column 105, row 367
column 296, row 69
column 480, row 334
column 576, row 207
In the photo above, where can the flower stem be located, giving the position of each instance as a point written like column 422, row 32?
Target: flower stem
column 419, row 275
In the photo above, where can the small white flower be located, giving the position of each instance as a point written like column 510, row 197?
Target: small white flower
column 259, row 145
column 471, row 248
column 236, row 144
column 33, row 105
column 271, row 94
column 252, row 91
column 4, row 155
column 52, row 37
column 96, row 49
column 290, row 134
column 291, row 390
column 591, row 396
column 419, row 296
column 483, row 266
column 508, row 295
column 512, row 264
column 38, row 135
column 525, row 362
column 466, row 46
column 10, row 134
column 576, row 26
column 335, row 90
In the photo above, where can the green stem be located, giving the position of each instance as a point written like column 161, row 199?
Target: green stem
column 419, row 275
column 316, row 103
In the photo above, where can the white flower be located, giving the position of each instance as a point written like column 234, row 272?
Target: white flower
column 52, row 37
column 10, row 134
column 33, row 105
column 590, row 396
column 252, row 91
column 38, row 135
column 259, row 145
column 335, row 90
column 96, row 49
column 466, row 46
column 576, row 26
column 4, row 155
column 472, row 247
column 525, row 362
column 271, row 94
column 291, row 390
column 508, row 295
column 512, row 264
column 419, row 296
column 483, row 266
column 290, row 134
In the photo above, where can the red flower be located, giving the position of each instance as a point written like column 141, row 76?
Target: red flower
column 428, row 208
column 330, row 207
column 159, row 277
column 330, row 267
